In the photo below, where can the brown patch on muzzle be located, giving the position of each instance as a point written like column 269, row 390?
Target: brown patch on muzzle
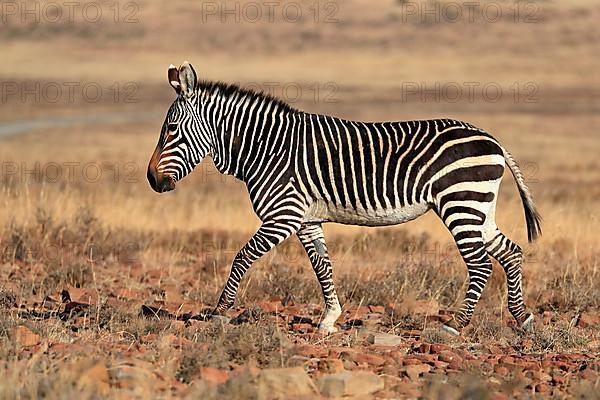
column 157, row 180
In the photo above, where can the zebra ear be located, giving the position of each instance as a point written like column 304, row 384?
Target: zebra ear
column 173, row 76
column 187, row 78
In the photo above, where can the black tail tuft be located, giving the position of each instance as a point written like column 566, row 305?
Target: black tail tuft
column 532, row 217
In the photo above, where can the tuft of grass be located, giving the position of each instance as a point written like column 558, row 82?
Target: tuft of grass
column 562, row 336
column 7, row 299
column 76, row 274
column 574, row 286
column 281, row 281
column 427, row 280
column 435, row 335
column 218, row 345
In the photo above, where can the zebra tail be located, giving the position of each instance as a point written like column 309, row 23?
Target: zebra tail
column 532, row 216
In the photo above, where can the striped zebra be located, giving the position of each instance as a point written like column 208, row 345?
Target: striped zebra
column 303, row 169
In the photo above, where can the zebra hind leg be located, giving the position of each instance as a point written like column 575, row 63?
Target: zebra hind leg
column 466, row 224
column 312, row 238
column 479, row 266
column 510, row 257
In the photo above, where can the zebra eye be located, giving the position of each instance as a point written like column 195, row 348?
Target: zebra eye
column 172, row 127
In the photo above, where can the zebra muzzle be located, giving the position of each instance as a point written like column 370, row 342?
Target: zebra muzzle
column 159, row 182
column 166, row 183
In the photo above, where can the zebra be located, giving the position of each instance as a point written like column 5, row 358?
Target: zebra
column 302, row 170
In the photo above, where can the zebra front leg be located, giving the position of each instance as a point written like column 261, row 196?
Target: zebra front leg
column 269, row 235
column 313, row 240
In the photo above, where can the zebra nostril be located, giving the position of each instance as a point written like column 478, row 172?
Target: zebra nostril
column 165, row 184
column 170, row 183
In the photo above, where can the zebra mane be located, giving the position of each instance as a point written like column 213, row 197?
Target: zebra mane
column 232, row 89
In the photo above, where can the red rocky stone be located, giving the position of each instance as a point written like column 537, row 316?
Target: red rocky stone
column 587, row 320
column 558, row 379
column 312, row 351
column 542, row 388
column 365, row 358
column 377, row 309
column 450, row 357
column 425, row 348
column 302, row 328
column 213, row 375
column 438, row 348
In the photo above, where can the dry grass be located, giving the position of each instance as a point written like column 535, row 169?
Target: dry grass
column 113, row 235
column 56, row 235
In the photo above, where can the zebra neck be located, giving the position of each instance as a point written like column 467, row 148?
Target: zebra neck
column 253, row 132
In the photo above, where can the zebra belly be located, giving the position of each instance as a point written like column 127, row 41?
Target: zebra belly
column 320, row 211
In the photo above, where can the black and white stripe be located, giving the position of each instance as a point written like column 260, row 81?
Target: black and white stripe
column 302, row 170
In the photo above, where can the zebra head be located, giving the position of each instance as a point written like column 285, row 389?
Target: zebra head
column 185, row 136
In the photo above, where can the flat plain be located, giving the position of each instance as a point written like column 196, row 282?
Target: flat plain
column 103, row 280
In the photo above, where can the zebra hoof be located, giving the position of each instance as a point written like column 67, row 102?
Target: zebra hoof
column 450, row 330
column 327, row 329
column 527, row 324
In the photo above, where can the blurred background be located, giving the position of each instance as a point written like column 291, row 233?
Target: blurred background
column 84, row 91
column 85, row 82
